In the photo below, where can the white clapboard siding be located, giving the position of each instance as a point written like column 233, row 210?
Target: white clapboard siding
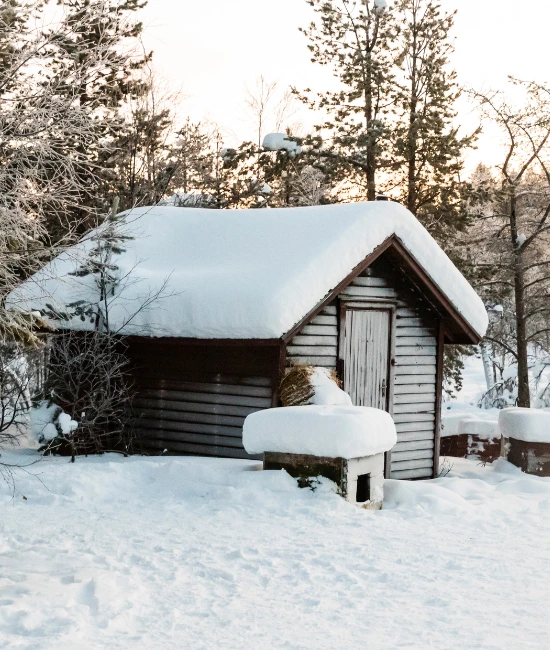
column 414, row 376
column 414, row 369
column 414, row 395
column 199, row 417
column 317, row 343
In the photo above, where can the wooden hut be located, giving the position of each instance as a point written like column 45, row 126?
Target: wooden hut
column 361, row 288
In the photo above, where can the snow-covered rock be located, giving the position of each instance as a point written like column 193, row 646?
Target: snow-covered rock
column 242, row 273
column 281, row 142
column 332, row 431
column 529, row 425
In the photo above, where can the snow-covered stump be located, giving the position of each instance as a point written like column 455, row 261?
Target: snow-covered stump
column 471, row 437
column 345, row 444
column 528, row 434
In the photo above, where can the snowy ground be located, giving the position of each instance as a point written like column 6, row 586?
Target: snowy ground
column 210, row 553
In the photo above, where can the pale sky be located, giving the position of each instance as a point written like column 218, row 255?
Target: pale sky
column 212, row 49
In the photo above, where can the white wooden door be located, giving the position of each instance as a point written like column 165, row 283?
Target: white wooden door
column 366, row 353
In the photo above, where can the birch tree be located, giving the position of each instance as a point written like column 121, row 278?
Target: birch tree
column 510, row 239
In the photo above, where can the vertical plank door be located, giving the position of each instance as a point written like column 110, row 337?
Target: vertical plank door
column 366, row 353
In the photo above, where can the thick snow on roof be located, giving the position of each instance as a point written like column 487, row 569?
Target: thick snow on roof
column 243, row 273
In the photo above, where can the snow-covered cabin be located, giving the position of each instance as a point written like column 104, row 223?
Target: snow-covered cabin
column 362, row 288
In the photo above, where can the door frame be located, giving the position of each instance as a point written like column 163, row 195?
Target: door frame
column 347, row 304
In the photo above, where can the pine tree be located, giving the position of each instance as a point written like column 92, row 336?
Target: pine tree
column 355, row 39
column 427, row 151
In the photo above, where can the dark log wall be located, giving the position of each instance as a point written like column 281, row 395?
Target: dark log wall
column 193, row 399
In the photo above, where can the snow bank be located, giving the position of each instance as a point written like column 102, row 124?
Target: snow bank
column 333, row 431
column 529, row 425
column 206, row 553
column 242, row 273
column 327, row 392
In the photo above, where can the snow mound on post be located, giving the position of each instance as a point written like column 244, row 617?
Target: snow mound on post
column 241, row 274
column 331, row 431
column 529, row 425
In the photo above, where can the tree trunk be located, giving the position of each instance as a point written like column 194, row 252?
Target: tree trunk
column 371, row 143
column 411, row 135
column 524, row 398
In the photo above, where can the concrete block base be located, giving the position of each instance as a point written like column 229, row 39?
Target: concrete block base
column 359, row 480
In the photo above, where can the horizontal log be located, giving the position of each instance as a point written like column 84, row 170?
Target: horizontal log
column 414, row 400
column 191, row 449
column 411, row 454
column 208, row 398
column 404, row 310
column 324, row 320
column 369, row 292
column 414, row 359
column 406, row 445
column 400, row 465
column 192, row 427
column 198, row 438
column 186, row 406
column 320, row 330
column 411, row 369
column 402, row 341
column 322, row 362
column 409, row 418
column 408, row 330
column 402, row 320
column 310, row 339
column 371, row 281
column 329, row 310
column 404, row 428
column 416, row 350
column 414, row 389
column 312, row 350
column 182, row 416
column 416, row 436
column 412, row 473
column 235, row 385
column 402, row 379
column 420, row 407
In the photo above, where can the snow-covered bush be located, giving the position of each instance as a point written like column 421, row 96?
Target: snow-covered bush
column 48, row 421
column 87, row 385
